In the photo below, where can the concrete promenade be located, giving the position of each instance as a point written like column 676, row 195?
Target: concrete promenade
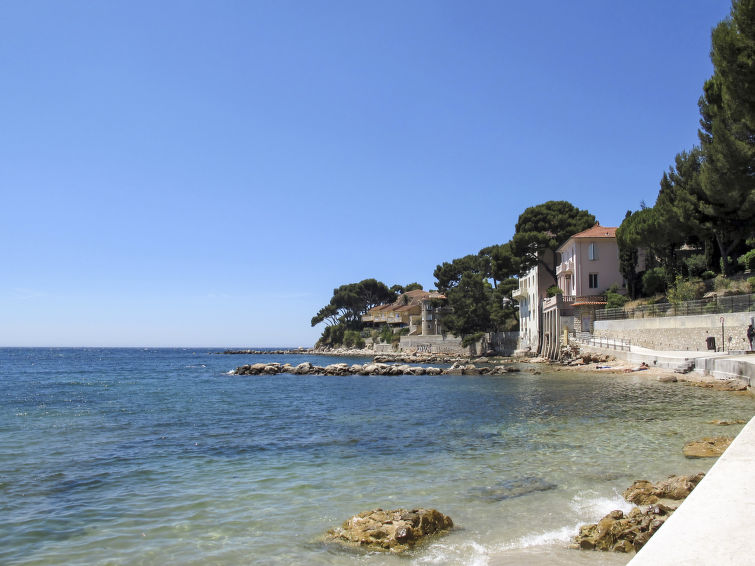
column 721, row 365
column 714, row 525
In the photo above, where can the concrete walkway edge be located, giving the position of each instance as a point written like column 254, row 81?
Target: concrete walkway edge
column 714, row 525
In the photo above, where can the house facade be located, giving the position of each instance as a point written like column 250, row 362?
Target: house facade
column 530, row 294
column 588, row 265
column 415, row 310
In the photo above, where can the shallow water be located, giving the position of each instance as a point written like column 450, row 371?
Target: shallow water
column 126, row 456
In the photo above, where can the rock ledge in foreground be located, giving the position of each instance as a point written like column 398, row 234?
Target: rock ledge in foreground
column 393, row 531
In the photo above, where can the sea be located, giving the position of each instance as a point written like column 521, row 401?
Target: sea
column 161, row 457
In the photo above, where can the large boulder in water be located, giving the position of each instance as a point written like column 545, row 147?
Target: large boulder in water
column 393, row 531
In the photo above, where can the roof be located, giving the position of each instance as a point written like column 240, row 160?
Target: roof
column 596, row 301
column 597, row 231
column 407, row 300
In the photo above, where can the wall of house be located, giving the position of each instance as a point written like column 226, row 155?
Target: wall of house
column 606, row 266
column 679, row 332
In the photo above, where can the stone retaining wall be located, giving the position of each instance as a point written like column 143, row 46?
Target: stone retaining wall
column 679, row 332
column 504, row 343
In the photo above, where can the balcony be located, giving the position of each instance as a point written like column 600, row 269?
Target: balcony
column 559, row 301
column 565, row 267
column 519, row 294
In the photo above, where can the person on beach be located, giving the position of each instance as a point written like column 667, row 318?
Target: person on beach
column 643, row 366
column 750, row 335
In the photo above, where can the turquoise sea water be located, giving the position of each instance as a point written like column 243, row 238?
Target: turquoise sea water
column 128, row 456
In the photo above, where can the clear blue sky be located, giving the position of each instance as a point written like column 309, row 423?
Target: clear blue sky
column 205, row 173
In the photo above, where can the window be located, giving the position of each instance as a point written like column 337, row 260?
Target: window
column 593, row 281
column 592, row 252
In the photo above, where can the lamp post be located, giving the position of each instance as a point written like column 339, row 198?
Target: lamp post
column 722, row 333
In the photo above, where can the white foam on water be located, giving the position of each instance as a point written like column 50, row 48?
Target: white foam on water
column 561, row 535
column 469, row 553
column 591, row 507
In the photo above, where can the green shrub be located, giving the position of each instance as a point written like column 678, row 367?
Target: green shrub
column 553, row 290
column 706, row 275
column 386, row 334
column 722, row 283
column 653, row 281
column 747, row 260
column 353, row 339
column 696, row 264
column 615, row 300
column 751, row 283
column 685, row 290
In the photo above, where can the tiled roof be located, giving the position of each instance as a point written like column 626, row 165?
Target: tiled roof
column 597, row 231
column 408, row 300
column 590, row 302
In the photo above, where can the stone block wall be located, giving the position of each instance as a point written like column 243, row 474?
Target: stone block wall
column 679, row 332
column 501, row 342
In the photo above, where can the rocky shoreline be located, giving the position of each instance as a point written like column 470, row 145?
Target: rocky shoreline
column 619, row 532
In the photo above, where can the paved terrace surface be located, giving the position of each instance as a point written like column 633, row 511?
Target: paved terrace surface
column 721, row 365
column 714, row 525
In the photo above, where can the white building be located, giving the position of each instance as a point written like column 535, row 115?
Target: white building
column 532, row 289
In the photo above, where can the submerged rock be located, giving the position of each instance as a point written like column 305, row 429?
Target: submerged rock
column 393, row 531
column 707, row 447
column 513, row 488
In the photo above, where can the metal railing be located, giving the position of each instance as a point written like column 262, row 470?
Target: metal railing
column 713, row 305
column 607, row 343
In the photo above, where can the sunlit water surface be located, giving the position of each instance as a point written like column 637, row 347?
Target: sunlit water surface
column 126, row 456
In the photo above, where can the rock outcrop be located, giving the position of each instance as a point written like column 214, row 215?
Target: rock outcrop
column 393, row 531
column 623, row 533
column 643, row 492
column 618, row 532
column 707, row 447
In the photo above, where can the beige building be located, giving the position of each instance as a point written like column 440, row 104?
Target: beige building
column 530, row 294
column 415, row 310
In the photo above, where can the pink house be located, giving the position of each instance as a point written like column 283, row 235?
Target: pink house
column 589, row 262
column 587, row 268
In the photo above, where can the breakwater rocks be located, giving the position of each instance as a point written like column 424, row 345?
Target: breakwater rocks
column 269, row 352
column 619, row 532
column 374, row 368
column 392, row 531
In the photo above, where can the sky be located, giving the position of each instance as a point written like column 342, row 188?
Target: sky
column 185, row 173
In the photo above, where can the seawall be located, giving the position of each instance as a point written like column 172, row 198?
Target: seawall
column 677, row 333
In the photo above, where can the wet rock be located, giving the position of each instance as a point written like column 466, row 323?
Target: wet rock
column 707, row 447
column 622, row 533
column 643, row 492
column 393, row 531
